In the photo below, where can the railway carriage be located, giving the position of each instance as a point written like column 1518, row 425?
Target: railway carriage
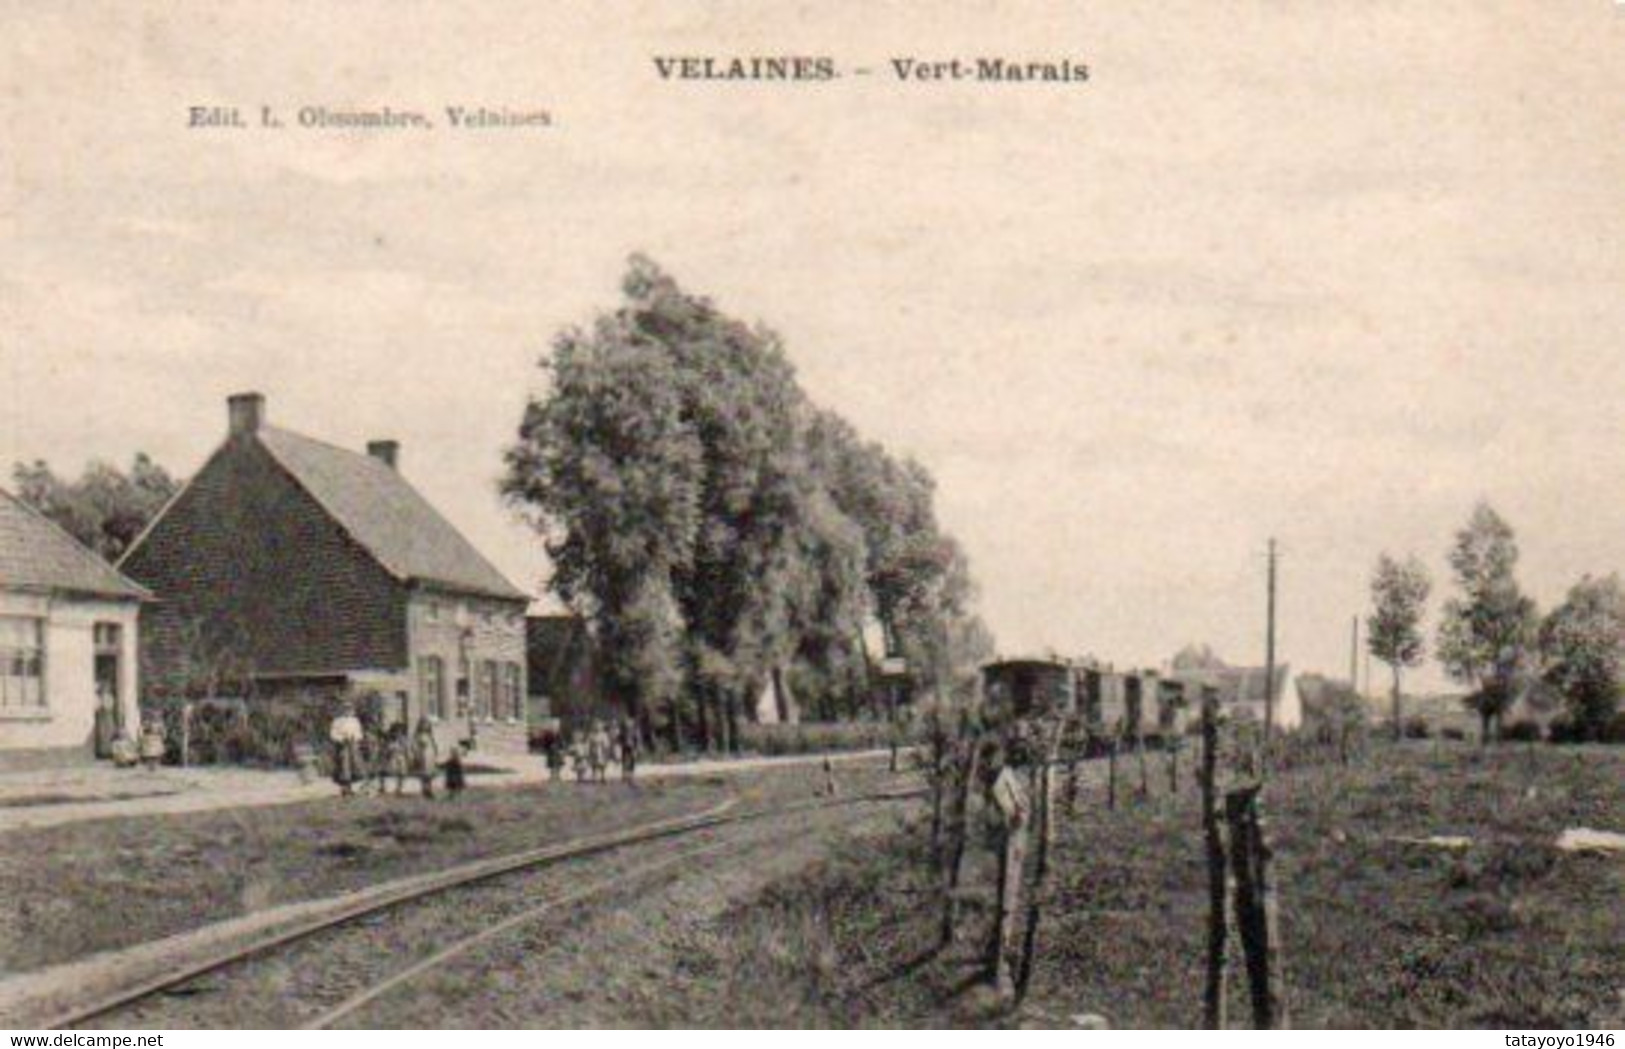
column 1029, row 688
column 1105, row 703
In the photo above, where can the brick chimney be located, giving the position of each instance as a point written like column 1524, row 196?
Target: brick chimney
column 245, row 412
column 386, row 452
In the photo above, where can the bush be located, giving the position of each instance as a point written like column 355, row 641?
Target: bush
column 1453, row 733
column 1417, row 727
column 1614, row 731
column 1522, row 731
column 243, row 732
column 1564, row 730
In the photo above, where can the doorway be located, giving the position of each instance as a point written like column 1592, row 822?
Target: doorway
column 109, row 711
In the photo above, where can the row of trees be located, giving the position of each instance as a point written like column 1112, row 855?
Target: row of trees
column 1492, row 637
column 721, row 531
column 105, row 508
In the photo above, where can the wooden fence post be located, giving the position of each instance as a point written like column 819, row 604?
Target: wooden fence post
column 1145, row 775
column 1111, row 774
column 1012, row 864
column 1046, row 826
column 1075, row 743
column 1217, row 872
column 1173, row 765
column 968, row 767
column 1257, row 915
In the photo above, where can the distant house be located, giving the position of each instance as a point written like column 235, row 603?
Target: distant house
column 68, row 630
column 1330, row 706
column 322, row 571
column 1242, row 690
column 563, row 665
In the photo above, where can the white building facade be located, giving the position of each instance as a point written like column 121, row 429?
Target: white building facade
column 69, row 668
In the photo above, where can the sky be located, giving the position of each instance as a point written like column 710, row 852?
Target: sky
column 1329, row 272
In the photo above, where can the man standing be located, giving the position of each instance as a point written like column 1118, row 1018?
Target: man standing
column 1011, row 807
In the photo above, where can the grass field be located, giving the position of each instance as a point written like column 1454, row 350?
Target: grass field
column 1378, row 931
column 71, row 890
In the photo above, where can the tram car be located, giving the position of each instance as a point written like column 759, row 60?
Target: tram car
column 1029, row 688
column 1176, row 701
column 1107, row 704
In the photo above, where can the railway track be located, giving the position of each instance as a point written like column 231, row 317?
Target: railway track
column 516, row 889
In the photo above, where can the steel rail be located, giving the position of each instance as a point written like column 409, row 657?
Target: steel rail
column 446, row 881
column 541, row 910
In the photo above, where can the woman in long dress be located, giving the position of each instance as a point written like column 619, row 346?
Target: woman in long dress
column 345, row 736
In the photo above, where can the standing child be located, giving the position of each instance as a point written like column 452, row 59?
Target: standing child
column 425, row 753
column 456, row 777
column 152, row 743
column 578, row 758
column 397, row 756
column 125, row 752
column 555, row 755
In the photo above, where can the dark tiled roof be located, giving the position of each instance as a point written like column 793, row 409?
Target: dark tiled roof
column 35, row 554
column 386, row 515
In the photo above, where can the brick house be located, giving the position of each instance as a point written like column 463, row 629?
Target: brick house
column 320, row 571
column 68, row 667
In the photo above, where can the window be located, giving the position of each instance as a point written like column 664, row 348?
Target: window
column 432, row 681
column 511, row 700
column 485, row 689
column 107, row 638
column 22, row 664
column 431, row 611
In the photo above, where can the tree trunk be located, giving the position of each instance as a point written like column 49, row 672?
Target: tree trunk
column 674, row 711
column 730, row 709
column 958, row 831
column 1399, row 731
column 702, row 716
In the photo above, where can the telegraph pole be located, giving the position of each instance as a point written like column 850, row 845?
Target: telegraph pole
column 1269, row 660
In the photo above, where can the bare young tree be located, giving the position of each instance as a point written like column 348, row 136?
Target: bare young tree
column 1399, row 594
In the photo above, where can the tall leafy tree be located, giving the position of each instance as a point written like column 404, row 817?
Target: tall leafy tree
column 751, row 580
column 697, row 507
column 1583, row 644
column 608, row 468
column 918, row 577
column 1399, row 594
column 105, row 508
column 1488, row 630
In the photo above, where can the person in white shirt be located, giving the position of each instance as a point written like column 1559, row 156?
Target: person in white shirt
column 345, row 735
column 1011, row 805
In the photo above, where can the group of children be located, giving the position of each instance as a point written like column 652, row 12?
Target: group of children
column 591, row 751
column 147, row 751
column 362, row 758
